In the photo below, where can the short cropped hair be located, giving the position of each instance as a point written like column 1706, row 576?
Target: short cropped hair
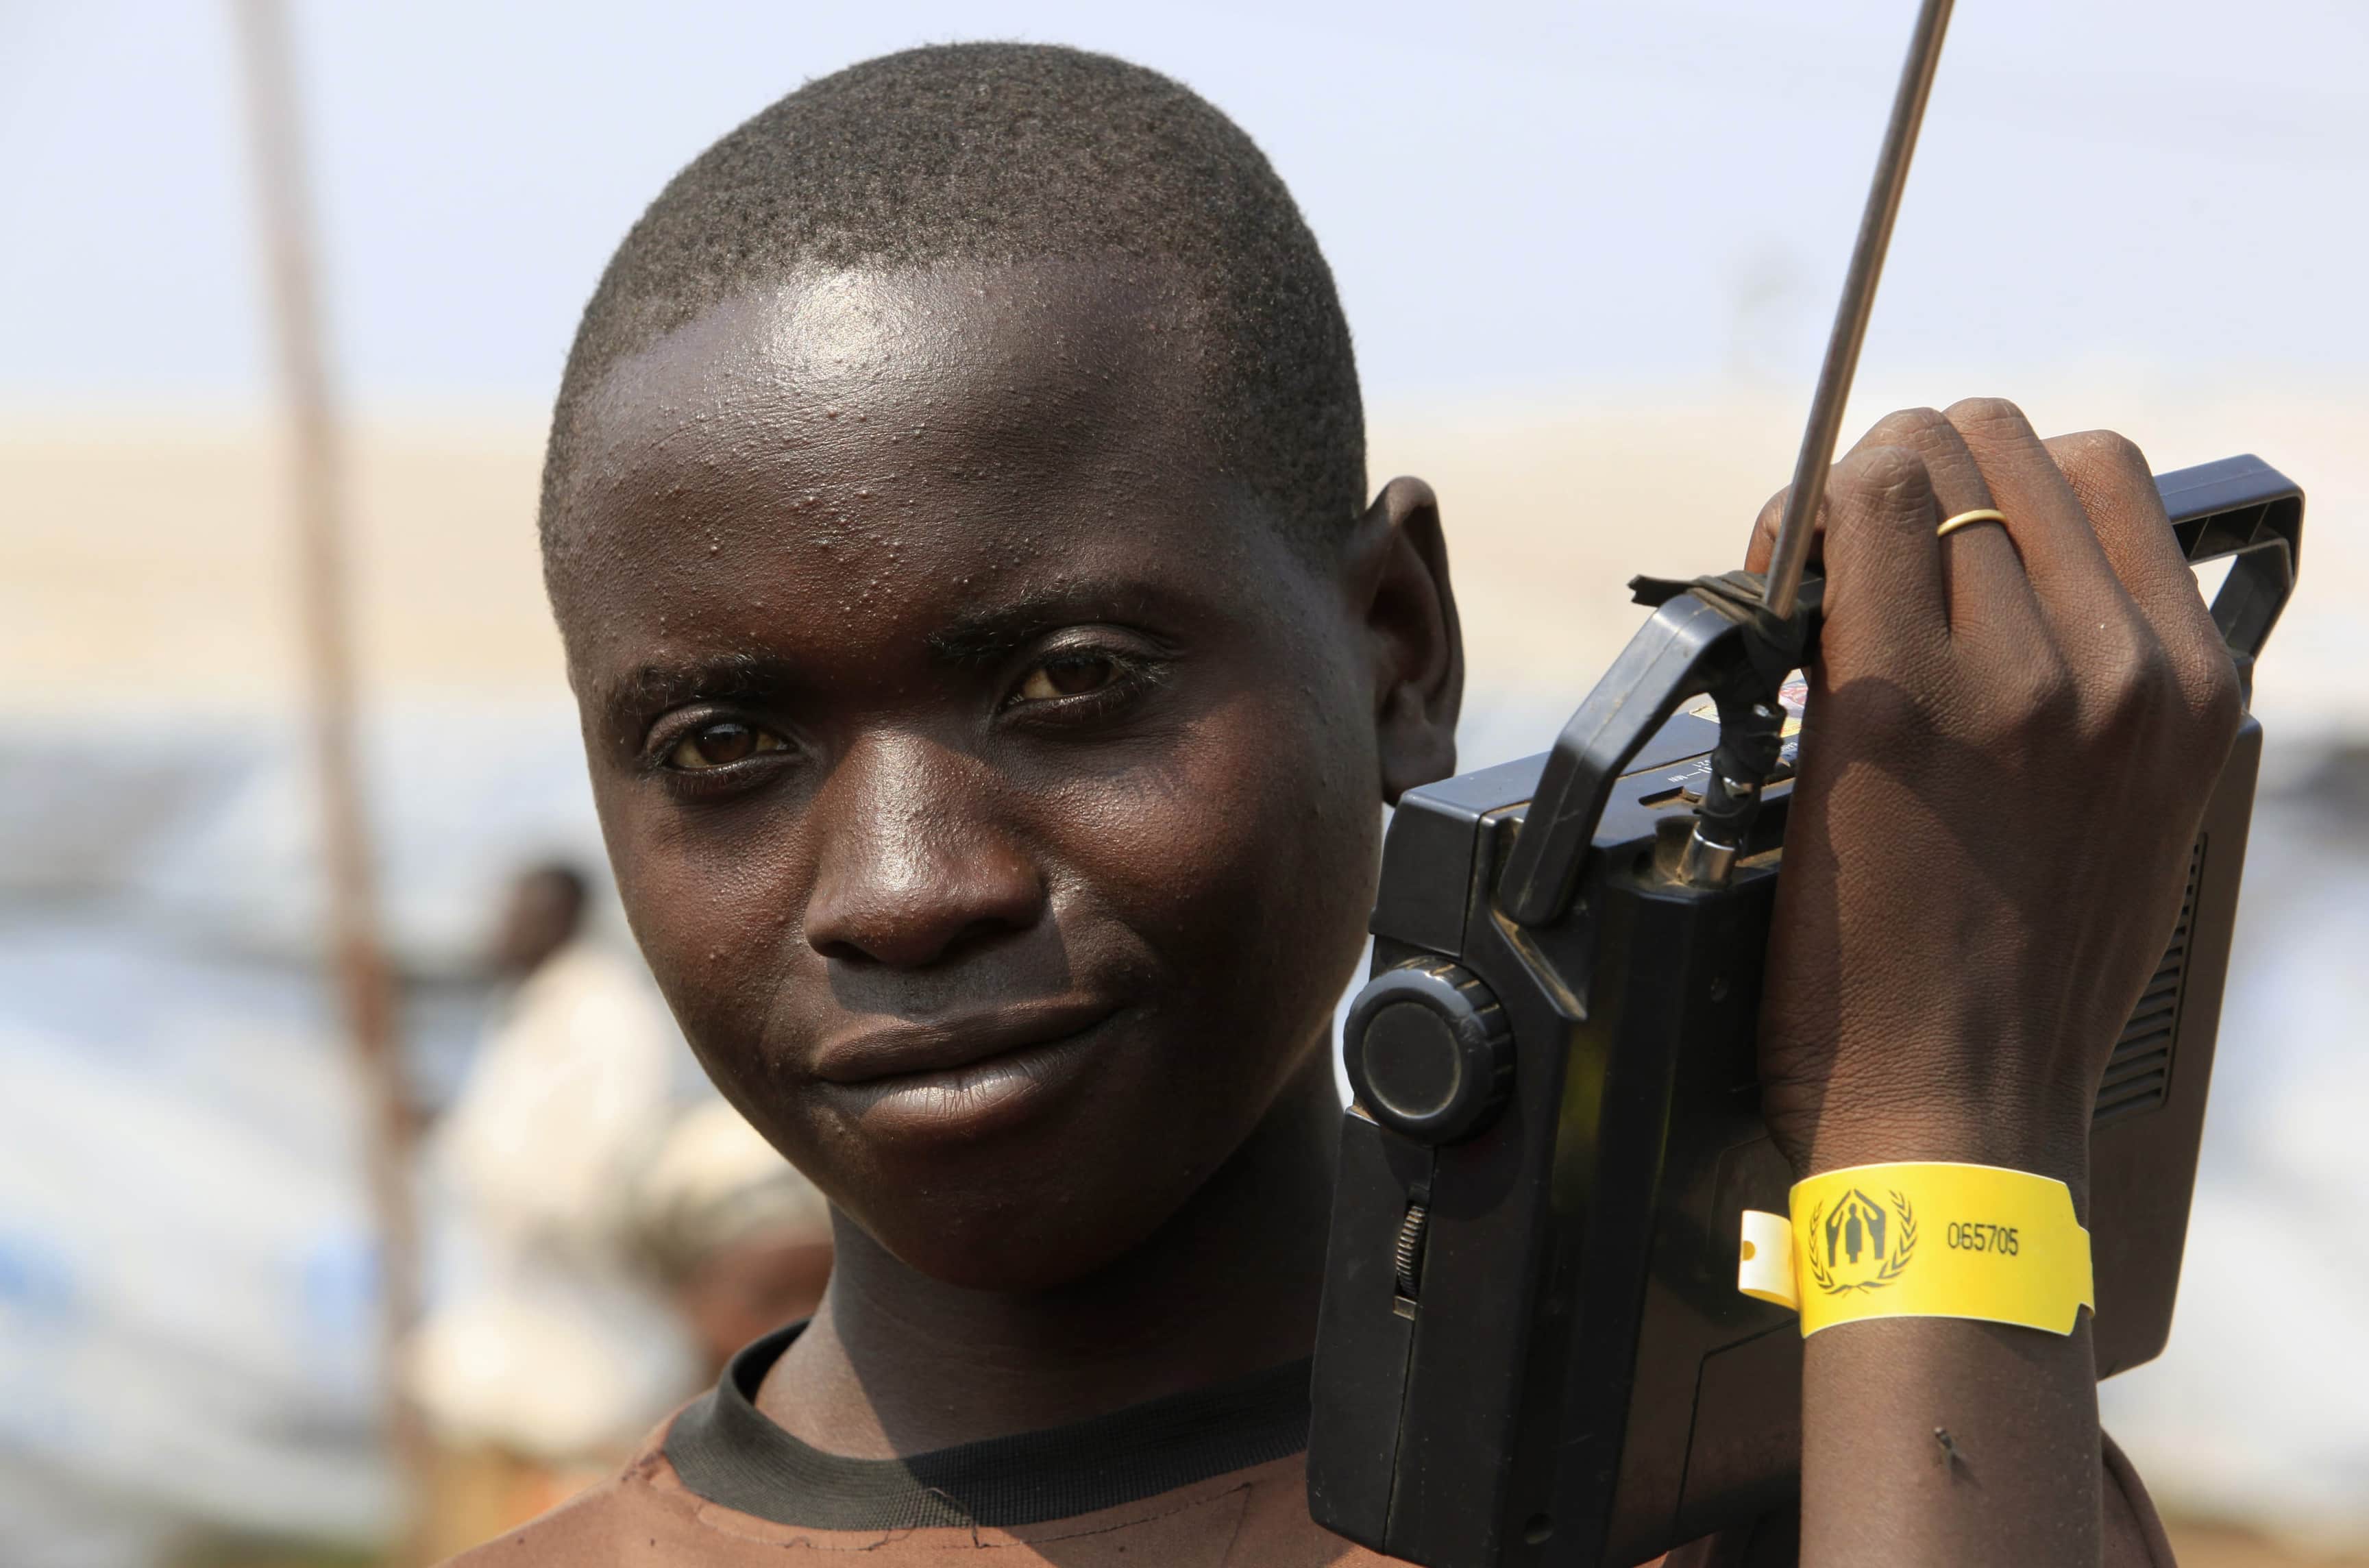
column 1001, row 152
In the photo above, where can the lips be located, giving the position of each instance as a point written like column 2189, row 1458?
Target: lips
column 946, row 1046
column 955, row 1080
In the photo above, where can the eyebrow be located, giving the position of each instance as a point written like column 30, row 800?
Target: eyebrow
column 653, row 688
column 988, row 636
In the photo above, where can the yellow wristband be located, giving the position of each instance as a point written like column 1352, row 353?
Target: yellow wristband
column 1916, row 1240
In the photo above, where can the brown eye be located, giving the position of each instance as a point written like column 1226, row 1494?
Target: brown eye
column 1072, row 675
column 720, row 745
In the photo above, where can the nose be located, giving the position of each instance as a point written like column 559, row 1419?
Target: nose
column 915, row 869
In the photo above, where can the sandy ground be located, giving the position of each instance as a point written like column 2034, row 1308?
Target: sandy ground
column 150, row 558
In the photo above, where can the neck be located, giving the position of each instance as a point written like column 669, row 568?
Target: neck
column 896, row 1363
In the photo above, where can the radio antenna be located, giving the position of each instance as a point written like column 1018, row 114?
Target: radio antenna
column 1800, row 516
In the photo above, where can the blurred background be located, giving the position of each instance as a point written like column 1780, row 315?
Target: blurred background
column 1589, row 252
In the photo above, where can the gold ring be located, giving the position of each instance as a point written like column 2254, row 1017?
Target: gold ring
column 1967, row 520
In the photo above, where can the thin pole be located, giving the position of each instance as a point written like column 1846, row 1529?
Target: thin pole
column 1791, row 550
column 365, row 985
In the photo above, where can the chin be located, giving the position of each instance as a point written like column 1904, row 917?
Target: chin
column 1048, row 1202
column 1019, row 1246
column 1034, row 1170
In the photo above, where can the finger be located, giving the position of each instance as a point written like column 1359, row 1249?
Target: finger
column 2110, row 479
column 1885, row 606
column 1896, row 430
column 1984, row 580
column 1763, row 534
column 2084, row 602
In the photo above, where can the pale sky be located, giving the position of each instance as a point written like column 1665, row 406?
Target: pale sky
column 1518, row 197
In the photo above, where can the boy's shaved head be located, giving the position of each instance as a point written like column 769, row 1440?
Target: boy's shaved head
column 1005, row 153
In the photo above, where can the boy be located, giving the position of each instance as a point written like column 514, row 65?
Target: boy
column 991, row 669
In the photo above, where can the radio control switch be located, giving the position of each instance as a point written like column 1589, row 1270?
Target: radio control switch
column 1429, row 1052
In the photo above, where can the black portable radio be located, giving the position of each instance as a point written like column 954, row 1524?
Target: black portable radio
column 1532, row 1348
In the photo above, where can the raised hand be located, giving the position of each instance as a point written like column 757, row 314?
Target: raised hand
column 2011, row 735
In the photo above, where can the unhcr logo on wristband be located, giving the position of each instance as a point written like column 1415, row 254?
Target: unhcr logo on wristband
column 1861, row 1245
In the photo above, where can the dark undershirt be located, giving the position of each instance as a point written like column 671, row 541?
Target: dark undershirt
column 729, row 1453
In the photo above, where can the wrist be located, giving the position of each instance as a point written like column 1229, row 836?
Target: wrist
column 2015, row 1142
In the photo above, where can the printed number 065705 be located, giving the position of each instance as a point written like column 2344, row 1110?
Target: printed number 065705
column 1976, row 1236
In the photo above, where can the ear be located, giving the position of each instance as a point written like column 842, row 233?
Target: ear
column 1398, row 575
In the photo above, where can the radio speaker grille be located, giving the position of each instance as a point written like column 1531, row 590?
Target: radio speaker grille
column 2138, row 1075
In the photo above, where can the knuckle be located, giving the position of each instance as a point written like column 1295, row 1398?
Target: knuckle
column 1987, row 414
column 2136, row 686
column 1907, row 427
column 2217, row 705
column 2045, row 697
column 2051, row 698
column 1894, row 474
column 2105, row 453
column 1772, row 511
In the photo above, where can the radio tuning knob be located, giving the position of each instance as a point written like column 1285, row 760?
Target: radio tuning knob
column 1429, row 1052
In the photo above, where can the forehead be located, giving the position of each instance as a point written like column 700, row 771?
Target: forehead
column 1051, row 372
column 862, row 447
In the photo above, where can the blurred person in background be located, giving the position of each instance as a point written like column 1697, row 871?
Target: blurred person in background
column 554, row 1347
column 740, row 1238
column 617, row 1246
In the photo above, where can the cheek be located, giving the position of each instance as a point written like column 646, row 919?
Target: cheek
column 707, row 905
column 1248, row 865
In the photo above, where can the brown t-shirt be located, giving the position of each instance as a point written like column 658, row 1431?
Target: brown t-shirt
column 1212, row 1479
